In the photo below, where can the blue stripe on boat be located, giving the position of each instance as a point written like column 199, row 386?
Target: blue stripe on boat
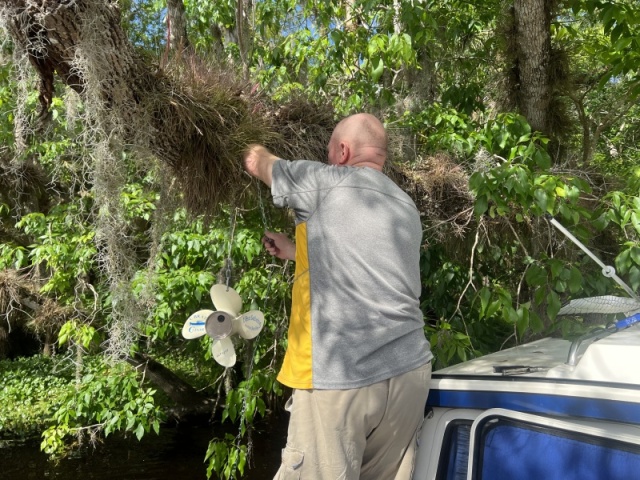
column 538, row 403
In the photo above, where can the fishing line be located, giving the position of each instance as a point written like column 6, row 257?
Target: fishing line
column 252, row 356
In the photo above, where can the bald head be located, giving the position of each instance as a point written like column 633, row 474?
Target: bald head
column 359, row 140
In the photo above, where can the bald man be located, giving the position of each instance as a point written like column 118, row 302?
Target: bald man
column 357, row 358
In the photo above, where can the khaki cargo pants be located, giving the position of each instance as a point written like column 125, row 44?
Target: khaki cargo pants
column 367, row 433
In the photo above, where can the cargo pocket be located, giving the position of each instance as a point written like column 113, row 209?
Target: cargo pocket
column 291, row 466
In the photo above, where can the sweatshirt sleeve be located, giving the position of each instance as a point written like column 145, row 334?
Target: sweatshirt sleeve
column 301, row 184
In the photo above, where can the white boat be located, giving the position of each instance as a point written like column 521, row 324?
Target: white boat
column 548, row 410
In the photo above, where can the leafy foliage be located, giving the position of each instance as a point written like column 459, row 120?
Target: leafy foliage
column 227, row 456
column 31, row 388
column 63, row 245
column 107, row 399
column 433, row 71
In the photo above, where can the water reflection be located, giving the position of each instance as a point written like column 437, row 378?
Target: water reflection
column 177, row 454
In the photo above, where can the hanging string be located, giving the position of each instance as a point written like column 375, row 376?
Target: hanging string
column 228, row 261
column 265, row 298
column 266, row 227
column 265, row 223
column 252, row 354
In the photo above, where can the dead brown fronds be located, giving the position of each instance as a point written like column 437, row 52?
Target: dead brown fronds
column 198, row 119
column 23, row 186
column 50, row 317
column 439, row 187
column 204, row 123
column 194, row 116
column 22, row 306
column 303, row 129
column 48, row 320
column 19, row 296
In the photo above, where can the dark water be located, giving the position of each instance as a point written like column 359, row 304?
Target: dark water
column 176, row 454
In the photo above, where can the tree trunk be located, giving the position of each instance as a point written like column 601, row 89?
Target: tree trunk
column 188, row 400
column 51, row 33
column 351, row 15
column 244, row 9
column 177, row 26
column 49, row 343
column 533, row 40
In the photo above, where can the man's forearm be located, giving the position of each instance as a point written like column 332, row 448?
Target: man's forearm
column 258, row 162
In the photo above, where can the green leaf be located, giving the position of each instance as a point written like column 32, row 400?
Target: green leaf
column 377, row 71
column 485, row 296
column 535, row 323
column 542, row 159
column 481, row 205
column 140, row 431
column 336, row 37
column 535, row 276
column 523, row 321
column 556, row 267
column 542, row 199
column 601, row 221
column 635, row 221
column 492, row 309
column 509, row 314
column 553, row 305
column 623, row 261
column 560, row 286
column 575, row 280
column 634, row 278
column 476, row 181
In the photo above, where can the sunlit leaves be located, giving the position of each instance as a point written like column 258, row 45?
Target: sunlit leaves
column 64, row 244
column 364, row 55
column 620, row 21
column 108, row 399
column 80, row 334
column 143, row 20
column 225, row 458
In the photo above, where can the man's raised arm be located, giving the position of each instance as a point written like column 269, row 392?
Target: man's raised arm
column 258, row 162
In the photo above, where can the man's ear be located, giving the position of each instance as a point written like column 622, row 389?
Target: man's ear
column 345, row 153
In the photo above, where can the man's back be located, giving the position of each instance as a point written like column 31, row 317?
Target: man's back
column 358, row 302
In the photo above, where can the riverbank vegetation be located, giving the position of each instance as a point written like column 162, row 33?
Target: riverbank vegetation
column 123, row 198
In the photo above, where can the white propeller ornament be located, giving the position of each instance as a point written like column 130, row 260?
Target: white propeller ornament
column 224, row 322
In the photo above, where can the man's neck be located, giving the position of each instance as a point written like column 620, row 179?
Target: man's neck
column 368, row 164
column 369, row 157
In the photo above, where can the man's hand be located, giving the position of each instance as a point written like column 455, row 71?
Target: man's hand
column 258, row 162
column 279, row 245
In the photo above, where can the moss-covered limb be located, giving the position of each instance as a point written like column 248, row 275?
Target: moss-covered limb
column 196, row 118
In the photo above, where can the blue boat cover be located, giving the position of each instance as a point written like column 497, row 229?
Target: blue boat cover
column 510, row 450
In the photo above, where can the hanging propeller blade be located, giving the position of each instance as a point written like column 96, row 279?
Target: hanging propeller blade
column 226, row 299
column 249, row 324
column 195, row 326
column 224, row 352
